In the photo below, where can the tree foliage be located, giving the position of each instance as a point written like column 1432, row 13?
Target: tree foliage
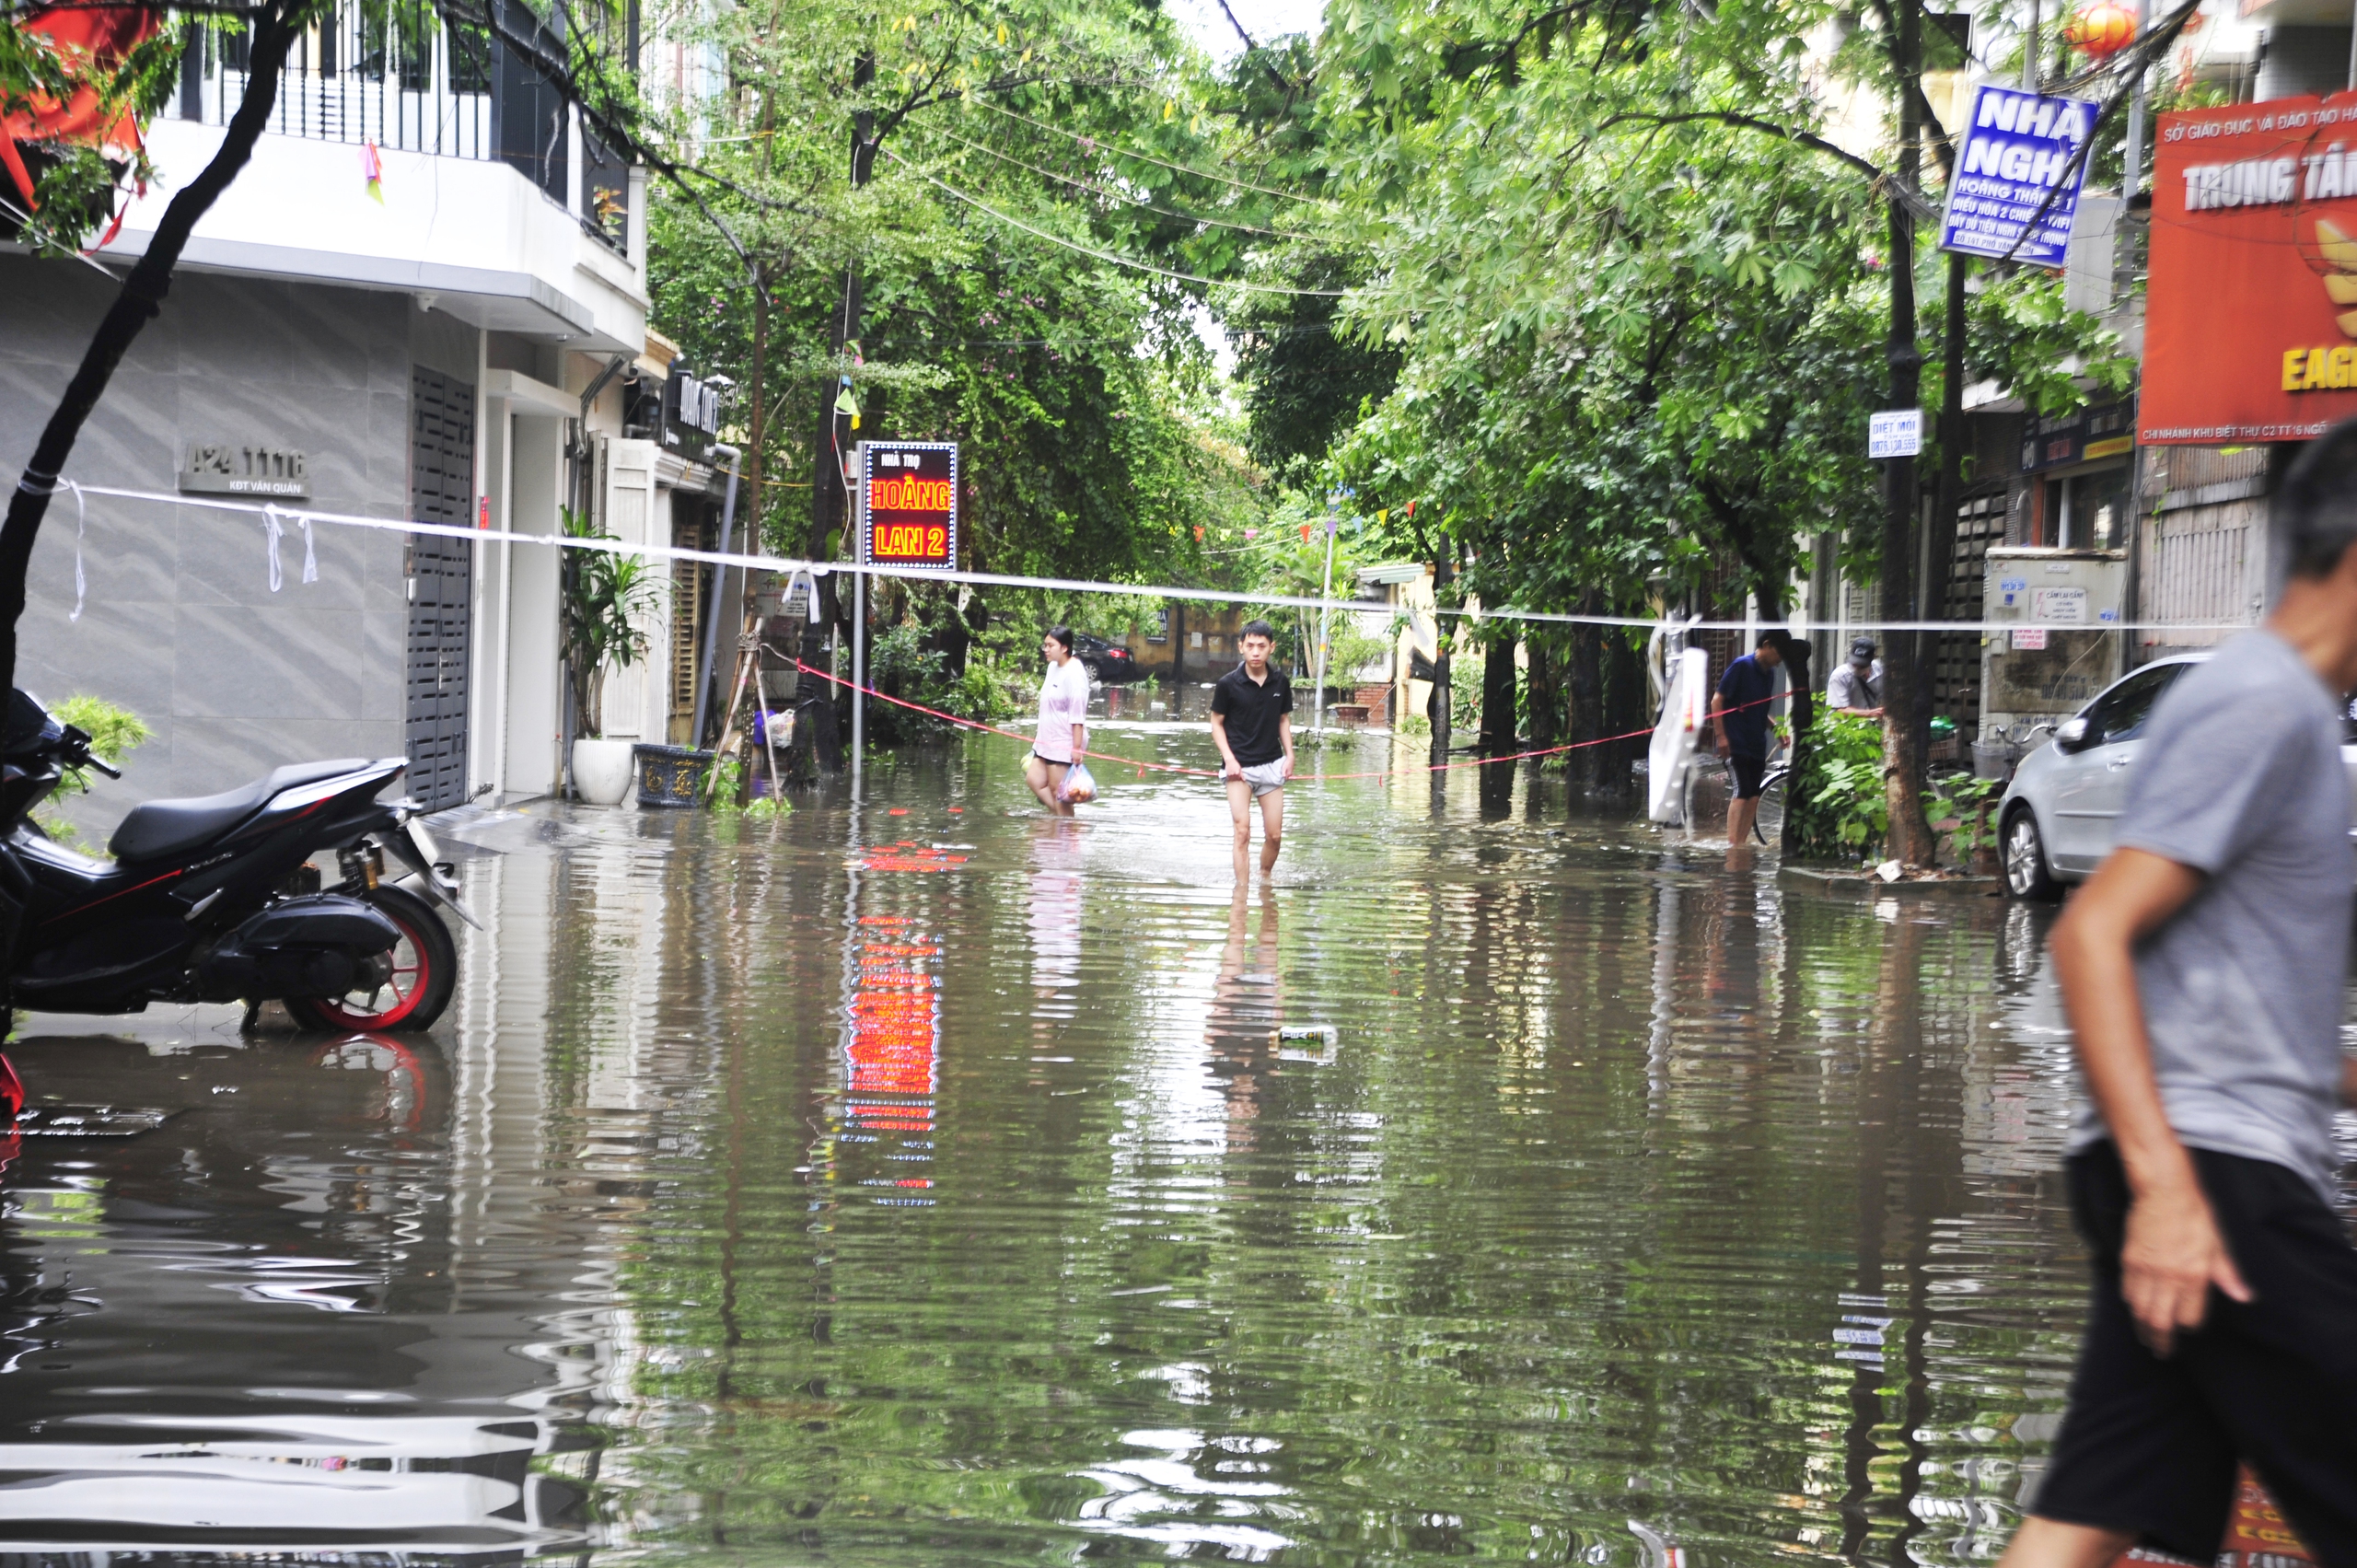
column 1076, row 387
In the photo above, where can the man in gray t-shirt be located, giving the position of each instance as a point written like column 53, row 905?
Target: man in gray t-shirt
column 2204, row 968
column 2240, row 779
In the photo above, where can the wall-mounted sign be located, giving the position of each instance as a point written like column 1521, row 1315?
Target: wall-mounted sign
column 2029, row 639
column 2098, row 431
column 2019, row 160
column 227, row 468
column 908, row 504
column 691, row 414
column 1895, row 433
column 2058, row 607
column 2250, row 327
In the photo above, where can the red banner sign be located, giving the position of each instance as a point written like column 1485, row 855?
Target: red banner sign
column 908, row 504
column 2251, row 328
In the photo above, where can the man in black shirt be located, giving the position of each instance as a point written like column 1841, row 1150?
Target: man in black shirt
column 1739, row 712
column 1250, row 725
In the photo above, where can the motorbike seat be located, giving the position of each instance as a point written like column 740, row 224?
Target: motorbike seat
column 159, row 828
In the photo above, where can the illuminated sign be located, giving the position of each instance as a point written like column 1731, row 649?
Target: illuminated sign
column 908, row 504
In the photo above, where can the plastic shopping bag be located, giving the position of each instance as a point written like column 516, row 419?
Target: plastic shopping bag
column 1079, row 785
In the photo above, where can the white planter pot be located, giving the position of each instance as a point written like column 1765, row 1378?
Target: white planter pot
column 601, row 771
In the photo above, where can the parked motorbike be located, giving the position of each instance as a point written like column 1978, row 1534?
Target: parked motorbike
column 222, row 898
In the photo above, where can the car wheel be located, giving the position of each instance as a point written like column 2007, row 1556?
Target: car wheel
column 2028, row 876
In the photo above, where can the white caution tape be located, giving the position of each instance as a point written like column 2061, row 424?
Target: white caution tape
column 1798, row 626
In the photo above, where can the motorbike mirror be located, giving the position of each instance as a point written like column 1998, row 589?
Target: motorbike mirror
column 2072, row 733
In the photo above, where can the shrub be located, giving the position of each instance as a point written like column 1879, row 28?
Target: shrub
column 1835, row 796
column 898, row 662
column 113, row 731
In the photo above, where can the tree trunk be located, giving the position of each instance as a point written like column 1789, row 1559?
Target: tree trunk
column 1904, row 770
column 1627, row 705
column 1587, row 697
column 757, row 433
column 1545, row 698
column 1498, row 694
column 141, row 298
column 1178, row 653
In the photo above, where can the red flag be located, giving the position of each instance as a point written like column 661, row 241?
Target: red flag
column 102, row 38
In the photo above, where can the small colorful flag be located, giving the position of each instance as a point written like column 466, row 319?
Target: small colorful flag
column 372, row 170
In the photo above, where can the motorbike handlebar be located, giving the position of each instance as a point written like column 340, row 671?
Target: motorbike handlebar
column 75, row 747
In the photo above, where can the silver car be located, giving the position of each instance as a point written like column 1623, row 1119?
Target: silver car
column 2060, row 815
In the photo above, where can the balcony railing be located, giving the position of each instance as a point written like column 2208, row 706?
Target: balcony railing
column 391, row 73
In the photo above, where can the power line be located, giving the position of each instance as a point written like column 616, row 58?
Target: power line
column 1095, row 145
column 1131, row 201
column 978, row 203
column 1322, row 329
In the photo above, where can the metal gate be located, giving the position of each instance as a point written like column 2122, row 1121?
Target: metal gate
column 441, row 490
column 1956, row 656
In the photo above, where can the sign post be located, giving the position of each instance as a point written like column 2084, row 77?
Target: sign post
column 2018, row 174
column 907, row 519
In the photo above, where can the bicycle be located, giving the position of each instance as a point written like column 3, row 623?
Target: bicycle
column 1768, row 828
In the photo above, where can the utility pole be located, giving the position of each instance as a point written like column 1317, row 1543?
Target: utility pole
column 1317, row 703
column 1437, row 704
column 828, row 514
column 1904, row 771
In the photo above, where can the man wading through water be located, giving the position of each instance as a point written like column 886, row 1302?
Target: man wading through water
column 2203, row 968
column 1739, row 712
column 1255, row 740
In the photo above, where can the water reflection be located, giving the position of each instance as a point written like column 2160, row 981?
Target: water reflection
column 885, row 1188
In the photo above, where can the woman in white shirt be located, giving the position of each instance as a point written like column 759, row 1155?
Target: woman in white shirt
column 1063, row 730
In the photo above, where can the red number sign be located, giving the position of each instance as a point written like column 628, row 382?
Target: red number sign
column 909, row 504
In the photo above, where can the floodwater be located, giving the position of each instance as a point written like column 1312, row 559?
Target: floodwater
column 931, row 1182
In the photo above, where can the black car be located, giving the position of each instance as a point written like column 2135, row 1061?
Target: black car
column 1109, row 662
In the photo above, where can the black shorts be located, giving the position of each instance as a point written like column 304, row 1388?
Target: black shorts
column 2150, row 1445
column 1748, row 772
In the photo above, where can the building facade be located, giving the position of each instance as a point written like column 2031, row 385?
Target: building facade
column 423, row 297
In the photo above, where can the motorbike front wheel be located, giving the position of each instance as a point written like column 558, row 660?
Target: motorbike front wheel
column 423, row 970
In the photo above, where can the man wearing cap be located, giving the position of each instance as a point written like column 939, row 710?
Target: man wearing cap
column 1856, row 687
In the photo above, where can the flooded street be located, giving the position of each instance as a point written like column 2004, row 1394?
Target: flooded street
column 926, row 1182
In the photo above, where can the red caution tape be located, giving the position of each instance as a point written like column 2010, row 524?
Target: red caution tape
column 1142, row 765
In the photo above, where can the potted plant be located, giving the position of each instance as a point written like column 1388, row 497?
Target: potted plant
column 605, row 594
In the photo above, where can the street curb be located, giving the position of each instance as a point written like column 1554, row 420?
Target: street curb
column 1867, row 882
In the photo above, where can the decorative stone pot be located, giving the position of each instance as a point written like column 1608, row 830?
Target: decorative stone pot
column 601, row 771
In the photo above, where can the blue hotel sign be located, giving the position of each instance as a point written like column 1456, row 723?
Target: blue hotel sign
column 2018, row 150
